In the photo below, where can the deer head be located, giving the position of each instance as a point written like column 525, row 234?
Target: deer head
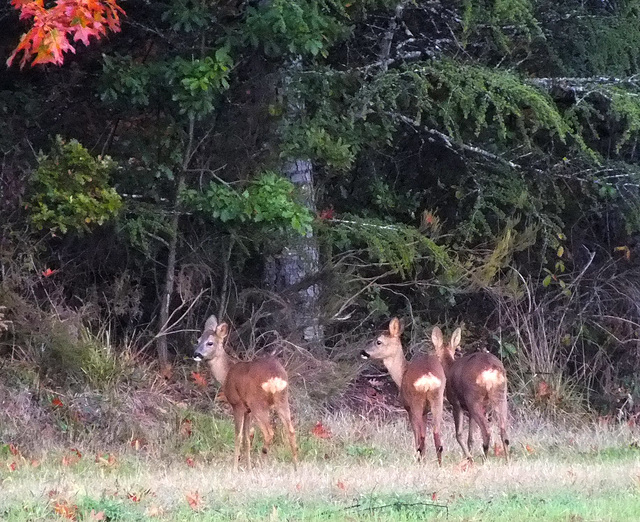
column 446, row 352
column 387, row 345
column 211, row 342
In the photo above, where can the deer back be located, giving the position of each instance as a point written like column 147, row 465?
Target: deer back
column 261, row 381
column 476, row 376
column 424, row 377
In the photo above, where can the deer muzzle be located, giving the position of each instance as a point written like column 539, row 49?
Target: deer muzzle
column 364, row 354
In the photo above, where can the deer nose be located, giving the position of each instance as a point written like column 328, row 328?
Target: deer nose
column 197, row 356
column 364, row 354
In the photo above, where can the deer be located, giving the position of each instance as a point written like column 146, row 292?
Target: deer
column 475, row 382
column 421, row 384
column 252, row 389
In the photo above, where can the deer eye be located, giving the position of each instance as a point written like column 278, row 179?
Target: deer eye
column 209, row 343
column 378, row 342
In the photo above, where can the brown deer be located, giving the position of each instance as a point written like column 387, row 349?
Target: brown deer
column 252, row 389
column 421, row 383
column 475, row 382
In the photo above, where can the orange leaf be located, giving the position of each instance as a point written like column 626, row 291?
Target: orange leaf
column 56, row 403
column 194, row 500
column 66, row 510
column 320, row 431
column 199, row 379
column 529, row 449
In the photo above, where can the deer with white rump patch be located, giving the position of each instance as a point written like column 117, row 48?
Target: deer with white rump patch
column 252, row 388
column 421, row 383
column 475, row 382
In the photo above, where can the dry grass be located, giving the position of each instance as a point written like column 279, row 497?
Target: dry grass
column 361, row 458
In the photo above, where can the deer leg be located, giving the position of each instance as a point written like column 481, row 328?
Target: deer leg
column 472, row 425
column 436, row 413
column 458, row 415
column 261, row 415
column 476, row 412
column 417, row 424
column 247, row 437
column 284, row 413
column 502, row 412
column 238, row 420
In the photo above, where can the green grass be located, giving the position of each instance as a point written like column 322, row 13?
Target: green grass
column 366, row 471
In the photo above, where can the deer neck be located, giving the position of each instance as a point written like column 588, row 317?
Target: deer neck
column 396, row 366
column 219, row 367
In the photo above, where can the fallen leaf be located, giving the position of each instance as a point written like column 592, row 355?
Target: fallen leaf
column 97, row 515
column 199, row 379
column 434, row 496
column 185, row 428
column 341, row 485
column 529, row 448
column 48, row 272
column 190, row 462
column 498, row 450
column 56, row 403
column 35, row 463
column 298, row 486
column 66, row 510
column 106, row 459
column 13, row 449
column 12, row 466
column 194, row 500
column 320, row 431
column 464, row 466
column 52, row 493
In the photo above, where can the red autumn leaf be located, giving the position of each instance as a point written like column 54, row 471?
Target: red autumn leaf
column 48, row 272
column 48, row 38
column 320, row 431
column 434, row 496
column 498, row 450
column 298, row 486
column 106, row 459
column 194, row 500
column 57, row 403
column 73, row 458
column 190, row 462
column 97, row 515
column 35, row 463
column 199, row 379
column 529, row 448
column 186, row 429
column 464, row 466
column 134, row 497
column 327, row 213
column 12, row 466
column 341, row 485
column 13, row 449
column 66, row 510
column 52, row 493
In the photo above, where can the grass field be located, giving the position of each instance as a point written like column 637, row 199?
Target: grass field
column 365, row 470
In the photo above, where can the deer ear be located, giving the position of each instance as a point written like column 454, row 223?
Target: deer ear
column 455, row 339
column 395, row 327
column 436, row 338
column 222, row 330
column 211, row 324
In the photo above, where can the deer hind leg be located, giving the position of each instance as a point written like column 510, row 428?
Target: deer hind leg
column 476, row 412
column 261, row 415
column 247, row 437
column 436, row 413
column 458, row 416
column 472, row 426
column 502, row 413
column 284, row 413
column 238, row 421
column 416, row 417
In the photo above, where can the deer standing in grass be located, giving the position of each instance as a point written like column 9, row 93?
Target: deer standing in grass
column 252, row 389
column 421, row 383
column 475, row 382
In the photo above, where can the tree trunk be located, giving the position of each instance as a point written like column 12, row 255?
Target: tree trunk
column 300, row 258
column 165, row 307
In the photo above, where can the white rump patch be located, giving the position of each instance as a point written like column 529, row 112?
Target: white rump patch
column 490, row 379
column 274, row 385
column 427, row 383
